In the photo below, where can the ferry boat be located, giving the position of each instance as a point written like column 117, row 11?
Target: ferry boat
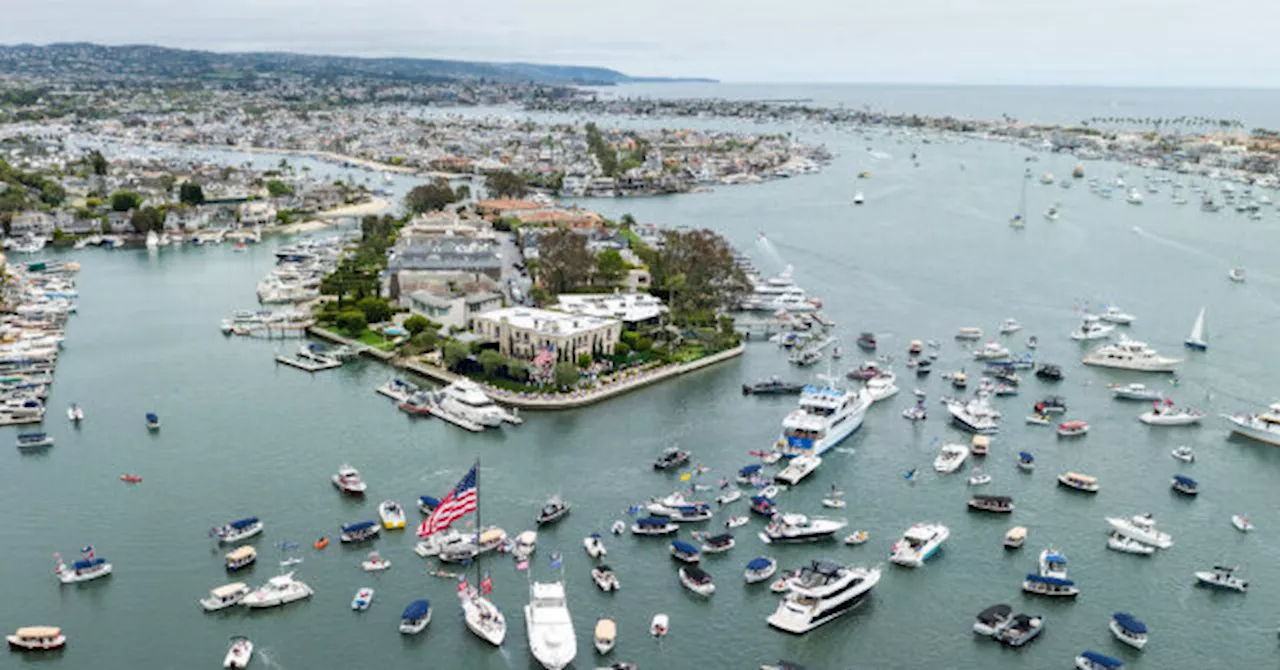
column 225, row 596
column 37, row 638
column 825, row 417
column 793, row 527
column 89, row 567
column 1263, row 427
column 348, row 481
column 549, row 626
column 359, row 531
column 919, row 544
column 278, row 590
column 391, row 514
column 1130, row 354
column 237, row 531
column 415, row 617
column 240, row 557
column 820, row 593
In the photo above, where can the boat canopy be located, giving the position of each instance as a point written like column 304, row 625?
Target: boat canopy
column 995, row 612
column 1103, row 660
column 243, row 523
column 1052, row 581
column 1017, row 532
column 358, row 526
column 1083, row 479
column 696, row 574
column 606, row 629
column 748, row 470
column 1072, row 424
column 720, row 540
column 88, row 563
column 416, row 610
column 760, row 500
column 683, row 547
column 31, row 436
column 429, row 501
column 653, row 522
column 241, row 553
column 1129, row 623
column 996, row 499
column 693, row 509
column 1055, row 559
column 38, row 632
column 152, row 418
column 604, row 568
column 227, row 590
column 1225, row 568
column 760, row 563
column 1184, row 480
column 1026, row 456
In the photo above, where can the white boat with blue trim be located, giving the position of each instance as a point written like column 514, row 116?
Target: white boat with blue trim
column 826, row 416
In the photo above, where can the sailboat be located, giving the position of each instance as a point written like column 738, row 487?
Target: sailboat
column 482, row 616
column 1020, row 219
column 1197, row 339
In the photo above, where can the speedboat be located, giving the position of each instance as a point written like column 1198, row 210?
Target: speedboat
column 684, row 551
column 1128, row 629
column 1072, row 428
column 950, row 458
column 1236, row 275
column 858, row 537
column 748, row 473
column 374, row 562
column 1117, row 316
column 799, row 468
column 1079, row 482
column 1168, row 415
column 348, row 481
column 606, row 635
column 771, row 386
column 659, row 625
column 428, row 504
column 760, row 569
column 1026, row 461
column 969, row 333
column 1241, row 523
column 1015, row 537
column 881, row 387
column 834, row 503
column 1222, row 577
column 958, row 379
column 1128, row 545
column 391, row 514
column 237, row 531
column 826, row 416
column 1143, row 529
column 1135, row 392
column 1128, row 354
column 986, row 503
column 791, row 527
column 415, row 617
column 1010, row 326
column 694, row 512
column 1054, row 404
column 594, row 545
column 991, row 351
column 75, row 413
column 867, row 341
column 37, row 638
column 867, row 370
column 278, row 590
column 735, row 521
column 359, row 531
column 89, row 567
column 1039, row 419
column 1054, row 587
column 153, row 421
column 992, row 620
column 728, row 497
column 915, row 413
column 718, row 544
column 763, row 506
column 363, row 599
column 241, row 651
column 1185, row 485
column 224, row 596
column 669, row 504
column 671, row 458
column 240, row 557
column 981, row 479
column 1022, row 628
column 1263, row 427
column 1091, row 328
column 697, row 580
column 1092, row 660
column 1184, row 454
column 549, row 626
column 1053, row 563
column 654, row 525
column 976, row 415
column 604, row 578
column 820, row 593
column 34, row 440
column 554, row 510
column 918, row 544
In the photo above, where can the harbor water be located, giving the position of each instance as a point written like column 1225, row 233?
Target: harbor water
column 930, row 251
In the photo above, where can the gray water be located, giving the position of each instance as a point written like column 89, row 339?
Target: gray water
column 930, row 252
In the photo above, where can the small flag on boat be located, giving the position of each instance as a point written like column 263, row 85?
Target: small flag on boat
column 88, row 552
column 486, row 585
column 460, row 501
column 522, row 565
column 633, row 510
column 462, row 583
column 555, row 559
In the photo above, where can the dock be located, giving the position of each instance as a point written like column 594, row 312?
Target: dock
column 308, row 366
column 430, row 408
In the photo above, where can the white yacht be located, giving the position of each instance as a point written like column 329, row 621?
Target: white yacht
column 278, row 591
column 821, row 592
column 882, row 386
column 549, row 626
column 1222, row 577
column 950, row 458
column 825, row 417
column 1010, row 326
column 1117, row 316
column 89, row 567
column 1143, row 529
column 799, row 468
column 1168, row 415
column 391, row 514
column 1130, row 354
column 991, row 351
column 1263, row 427
column 976, row 415
column 1134, row 197
column 465, row 398
column 237, row 531
column 1127, row 545
column 1091, row 328
column 482, row 616
column 225, row 596
column 800, row 528
column 1135, row 392
column 918, row 544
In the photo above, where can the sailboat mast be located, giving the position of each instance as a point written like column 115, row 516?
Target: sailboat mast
column 479, row 528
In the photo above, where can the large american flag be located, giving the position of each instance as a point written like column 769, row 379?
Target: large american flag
column 460, row 501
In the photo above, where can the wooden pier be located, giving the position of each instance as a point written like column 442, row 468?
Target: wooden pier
column 308, row 366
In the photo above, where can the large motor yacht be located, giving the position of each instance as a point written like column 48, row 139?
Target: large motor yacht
column 549, row 627
column 1130, row 354
column 278, row 591
column 820, row 593
column 976, row 415
column 918, row 544
column 1091, row 328
column 1264, row 427
column 465, row 398
column 826, row 416
column 800, row 528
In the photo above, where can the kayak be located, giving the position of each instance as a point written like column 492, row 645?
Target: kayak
column 321, row 543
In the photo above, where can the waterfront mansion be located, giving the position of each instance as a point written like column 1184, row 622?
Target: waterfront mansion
column 525, row 332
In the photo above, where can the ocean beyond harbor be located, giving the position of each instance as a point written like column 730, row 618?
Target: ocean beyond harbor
column 929, row 252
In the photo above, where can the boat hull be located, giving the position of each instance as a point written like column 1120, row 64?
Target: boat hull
column 1260, row 434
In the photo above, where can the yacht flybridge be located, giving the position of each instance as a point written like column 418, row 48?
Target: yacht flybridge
column 820, row 593
column 1127, row 354
column 826, row 416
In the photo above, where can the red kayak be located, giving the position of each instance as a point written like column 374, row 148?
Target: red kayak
column 132, row 479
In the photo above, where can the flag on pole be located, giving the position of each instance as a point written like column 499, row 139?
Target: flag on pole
column 88, row 552
column 462, row 583
column 522, row 565
column 460, row 501
column 486, row 585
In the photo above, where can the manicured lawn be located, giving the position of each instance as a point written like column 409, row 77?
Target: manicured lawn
column 376, row 340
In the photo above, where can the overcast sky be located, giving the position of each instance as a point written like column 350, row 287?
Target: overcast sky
column 1116, row 42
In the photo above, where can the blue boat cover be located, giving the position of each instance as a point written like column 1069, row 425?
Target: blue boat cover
column 429, row 501
column 82, row 565
column 1055, row 558
column 1184, row 480
column 360, row 525
column 748, row 470
column 416, row 610
column 758, row 500
column 595, row 535
column 684, row 547
column 243, row 523
column 1054, row 581
column 31, row 436
column 655, row 521
column 152, row 418
column 1026, row 456
column 688, row 509
column 1129, row 623
column 760, row 563
column 1103, row 660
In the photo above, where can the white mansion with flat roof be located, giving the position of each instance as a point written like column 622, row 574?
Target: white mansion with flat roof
column 524, row 332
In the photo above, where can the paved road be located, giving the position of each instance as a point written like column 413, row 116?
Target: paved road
column 511, row 276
